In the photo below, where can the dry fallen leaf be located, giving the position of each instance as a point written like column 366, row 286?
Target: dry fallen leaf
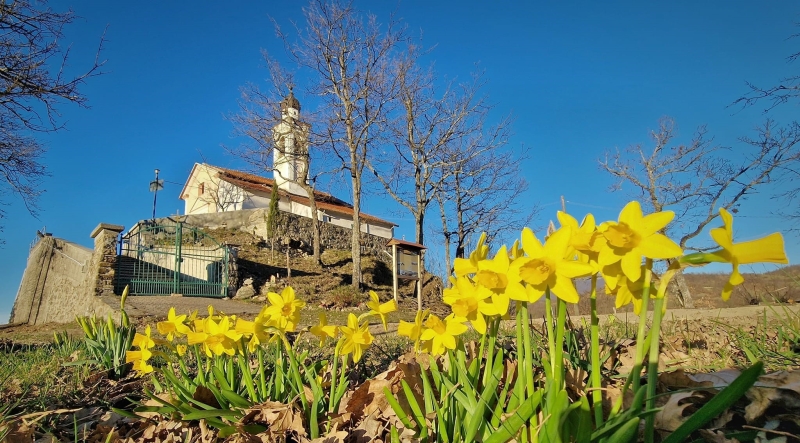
column 716, row 437
column 781, row 389
column 670, row 417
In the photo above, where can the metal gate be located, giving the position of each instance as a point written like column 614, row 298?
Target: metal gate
column 172, row 258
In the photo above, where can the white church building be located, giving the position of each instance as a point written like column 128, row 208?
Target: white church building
column 211, row 189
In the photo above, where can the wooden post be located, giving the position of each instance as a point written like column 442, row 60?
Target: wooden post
column 419, row 281
column 394, row 271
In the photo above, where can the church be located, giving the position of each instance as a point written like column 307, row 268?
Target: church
column 212, row 189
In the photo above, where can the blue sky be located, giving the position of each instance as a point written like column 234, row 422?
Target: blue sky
column 579, row 77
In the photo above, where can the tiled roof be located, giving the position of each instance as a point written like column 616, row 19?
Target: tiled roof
column 262, row 185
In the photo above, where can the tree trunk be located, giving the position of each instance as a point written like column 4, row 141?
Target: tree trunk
column 356, row 243
column 684, row 294
column 316, row 226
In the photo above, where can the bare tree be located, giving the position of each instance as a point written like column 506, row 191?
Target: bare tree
column 31, row 88
column 482, row 192
column 349, row 57
column 787, row 89
column 421, row 134
column 695, row 180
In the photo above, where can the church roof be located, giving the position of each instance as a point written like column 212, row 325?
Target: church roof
column 263, row 186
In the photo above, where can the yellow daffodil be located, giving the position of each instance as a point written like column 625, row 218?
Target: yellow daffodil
column 260, row 330
column 216, row 338
column 545, row 267
column 493, row 274
column 768, row 249
column 139, row 360
column 173, row 326
column 463, row 266
column 635, row 236
column 323, row 330
column 625, row 290
column 357, row 338
column 413, row 330
column 468, row 302
column 180, row 350
column 285, row 309
column 376, row 308
column 441, row 334
column 584, row 239
column 144, row 341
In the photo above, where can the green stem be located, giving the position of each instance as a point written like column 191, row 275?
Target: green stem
column 560, row 330
column 262, row 380
column 652, row 366
column 548, row 311
column 596, row 382
column 298, row 379
column 641, row 340
column 641, row 336
column 526, row 337
column 334, row 377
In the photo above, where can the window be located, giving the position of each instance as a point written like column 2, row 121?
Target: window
column 201, row 189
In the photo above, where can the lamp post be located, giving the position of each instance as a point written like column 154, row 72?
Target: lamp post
column 155, row 186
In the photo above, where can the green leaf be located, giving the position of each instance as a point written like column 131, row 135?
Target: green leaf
column 512, row 424
column 627, row 432
column 401, row 414
column 236, row 399
column 723, row 400
column 419, row 417
column 212, row 413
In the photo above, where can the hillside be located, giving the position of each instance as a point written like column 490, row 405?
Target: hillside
column 326, row 286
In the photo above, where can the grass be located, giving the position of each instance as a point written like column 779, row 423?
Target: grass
column 35, row 375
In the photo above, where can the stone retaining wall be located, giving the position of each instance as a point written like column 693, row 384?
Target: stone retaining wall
column 62, row 279
column 295, row 227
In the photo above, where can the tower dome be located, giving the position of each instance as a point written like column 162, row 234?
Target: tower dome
column 290, row 102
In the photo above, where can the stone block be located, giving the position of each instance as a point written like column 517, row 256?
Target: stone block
column 116, row 229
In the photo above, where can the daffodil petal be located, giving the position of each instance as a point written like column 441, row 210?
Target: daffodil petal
column 659, row 246
column 632, row 266
column 565, row 290
column 768, row 249
column 530, row 244
column 652, row 223
column 574, row 269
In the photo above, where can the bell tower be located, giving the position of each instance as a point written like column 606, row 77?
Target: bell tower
column 290, row 155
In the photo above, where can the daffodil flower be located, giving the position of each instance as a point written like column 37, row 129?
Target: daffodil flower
column 468, row 301
column 584, row 239
column 463, row 266
column 495, row 274
column 357, row 338
column 260, row 330
column 625, row 290
column 139, row 358
column 285, row 309
column 545, row 266
column 441, row 334
column 216, row 338
column 173, row 326
column 144, row 341
column 768, row 249
column 376, row 308
column 635, row 236
column 413, row 330
column 323, row 330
